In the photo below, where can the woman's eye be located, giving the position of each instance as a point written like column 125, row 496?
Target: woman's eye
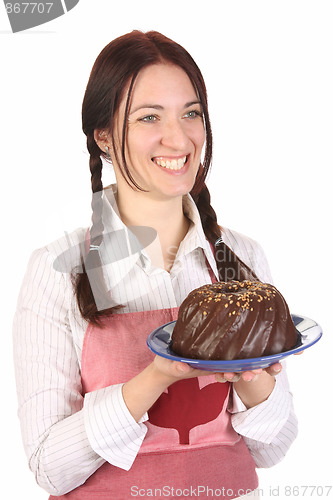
column 148, row 119
column 193, row 113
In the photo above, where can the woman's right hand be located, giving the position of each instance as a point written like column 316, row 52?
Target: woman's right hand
column 176, row 370
column 141, row 392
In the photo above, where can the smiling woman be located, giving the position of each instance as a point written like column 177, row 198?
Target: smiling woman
column 99, row 412
column 164, row 139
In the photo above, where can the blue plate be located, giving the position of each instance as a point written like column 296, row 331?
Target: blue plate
column 159, row 343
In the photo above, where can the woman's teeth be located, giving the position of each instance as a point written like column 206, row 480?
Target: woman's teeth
column 171, row 164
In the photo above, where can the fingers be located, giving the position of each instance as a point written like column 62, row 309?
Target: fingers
column 227, row 377
column 172, row 369
column 248, row 376
column 181, row 368
column 274, row 369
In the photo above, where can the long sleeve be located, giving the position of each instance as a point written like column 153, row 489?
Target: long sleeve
column 269, row 428
column 57, row 422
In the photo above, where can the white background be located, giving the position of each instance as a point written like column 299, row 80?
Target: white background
column 268, row 69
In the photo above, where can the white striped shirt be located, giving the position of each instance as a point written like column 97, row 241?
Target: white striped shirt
column 68, row 436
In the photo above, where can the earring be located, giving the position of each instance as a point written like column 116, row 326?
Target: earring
column 107, row 153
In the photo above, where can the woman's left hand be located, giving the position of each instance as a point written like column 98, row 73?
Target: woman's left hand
column 248, row 376
column 261, row 386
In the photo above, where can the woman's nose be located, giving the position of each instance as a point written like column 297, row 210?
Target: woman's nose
column 174, row 136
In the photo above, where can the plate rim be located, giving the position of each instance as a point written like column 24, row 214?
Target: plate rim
column 265, row 360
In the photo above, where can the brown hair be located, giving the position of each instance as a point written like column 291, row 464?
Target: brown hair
column 115, row 69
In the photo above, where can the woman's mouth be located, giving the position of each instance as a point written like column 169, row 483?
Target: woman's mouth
column 170, row 163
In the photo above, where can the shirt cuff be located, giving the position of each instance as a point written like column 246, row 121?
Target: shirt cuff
column 264, row 421
column 112, row 431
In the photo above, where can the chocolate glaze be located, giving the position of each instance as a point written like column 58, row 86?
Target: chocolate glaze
column 233, row 320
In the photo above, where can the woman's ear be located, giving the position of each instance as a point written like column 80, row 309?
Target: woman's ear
column 102, row 139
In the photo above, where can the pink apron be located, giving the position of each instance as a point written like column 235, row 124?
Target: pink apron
column 190, row 441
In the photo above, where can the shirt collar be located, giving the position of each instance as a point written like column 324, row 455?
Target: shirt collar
column 121, row 250
column 196, row 238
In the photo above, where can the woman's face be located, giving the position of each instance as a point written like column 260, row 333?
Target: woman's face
column 165, row 133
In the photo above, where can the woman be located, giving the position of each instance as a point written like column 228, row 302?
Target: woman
column 101, row 416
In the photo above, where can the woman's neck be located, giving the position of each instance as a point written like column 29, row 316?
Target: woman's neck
column 166, row 217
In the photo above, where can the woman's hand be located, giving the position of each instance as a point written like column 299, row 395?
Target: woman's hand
column 141, row 392
column 248, row 376
column 260, row 388
column 252, row 394
column 176, row 370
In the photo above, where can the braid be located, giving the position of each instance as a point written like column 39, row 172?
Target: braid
column 96, row 165
column 208, row 217
column 92, row 295
column 229, row 265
